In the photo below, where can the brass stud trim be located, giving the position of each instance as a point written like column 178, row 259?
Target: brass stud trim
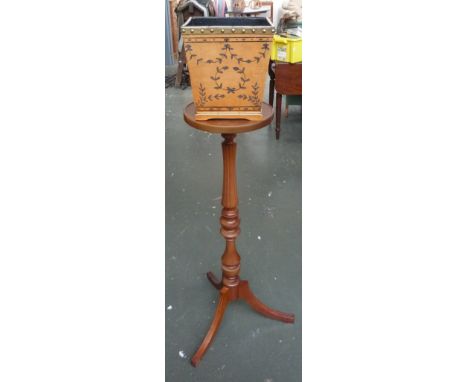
column 218, row 30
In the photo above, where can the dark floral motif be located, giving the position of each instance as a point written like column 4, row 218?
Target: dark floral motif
column 202, row 94
column 188, row 51
column 254, row 97
column 262, row 53
column 216, row 96
column 230, row 89
column 216, row 77
column 239, row 70
column 243, row 78
column 227, row 51
column 265, row 48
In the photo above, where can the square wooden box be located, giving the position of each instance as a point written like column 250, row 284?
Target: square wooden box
column 228, row 60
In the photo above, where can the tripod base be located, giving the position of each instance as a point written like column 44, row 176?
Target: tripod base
column 228, row 294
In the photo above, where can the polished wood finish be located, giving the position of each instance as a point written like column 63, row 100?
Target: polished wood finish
column 225, row 126
column 246, row 294
column 224, row 298
column 231, row 287
column 213, row 280
column 286, row 79
column 230, row 214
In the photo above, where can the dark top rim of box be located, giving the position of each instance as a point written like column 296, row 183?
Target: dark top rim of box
column 228, row 22
column 228, row 25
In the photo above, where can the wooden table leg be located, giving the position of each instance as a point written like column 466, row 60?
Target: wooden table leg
column 214, row 280
column 231, row 287
column 279, row 98
column 246, row 293
column 222, row 305
column 271, row 96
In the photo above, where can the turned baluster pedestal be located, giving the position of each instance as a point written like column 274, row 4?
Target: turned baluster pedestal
column 231, row 287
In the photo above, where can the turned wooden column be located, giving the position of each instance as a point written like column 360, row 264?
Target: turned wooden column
column 230, row 213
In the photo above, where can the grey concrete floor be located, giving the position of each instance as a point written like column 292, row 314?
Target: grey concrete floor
column 248, row 346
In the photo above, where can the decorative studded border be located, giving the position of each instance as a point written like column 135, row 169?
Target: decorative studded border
column 226, row 30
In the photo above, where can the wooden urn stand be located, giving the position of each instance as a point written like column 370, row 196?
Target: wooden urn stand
column 231, row 287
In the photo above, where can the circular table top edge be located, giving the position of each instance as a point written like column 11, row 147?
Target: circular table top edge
column 228, row 126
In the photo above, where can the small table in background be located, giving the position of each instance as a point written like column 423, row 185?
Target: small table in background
column 286, row 79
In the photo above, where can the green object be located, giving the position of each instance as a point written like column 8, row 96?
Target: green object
column 293, row 100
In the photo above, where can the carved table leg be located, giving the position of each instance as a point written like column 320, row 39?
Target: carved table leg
column 214, row 280
column 229, row 230
column 230, row 214
column 246, row 294
column 231, row 287
column 222, row 304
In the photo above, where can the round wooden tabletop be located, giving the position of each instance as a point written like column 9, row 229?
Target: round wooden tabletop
column 228, row 126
